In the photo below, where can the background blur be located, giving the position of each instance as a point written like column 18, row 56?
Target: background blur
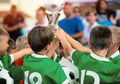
column 28, row 7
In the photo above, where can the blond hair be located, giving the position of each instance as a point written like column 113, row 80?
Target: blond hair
column 116, row 34
column 21, row 42
column 3, row 33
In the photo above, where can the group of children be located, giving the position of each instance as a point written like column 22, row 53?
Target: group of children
column 43, row 49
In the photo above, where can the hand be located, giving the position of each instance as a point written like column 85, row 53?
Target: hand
column 21, row 25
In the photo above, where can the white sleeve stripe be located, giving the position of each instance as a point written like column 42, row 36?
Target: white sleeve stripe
column 72, row 53
column 12, row 58
column 67, row 81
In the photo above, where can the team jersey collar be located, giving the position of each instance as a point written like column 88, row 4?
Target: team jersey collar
column 98, row 57
column 39, row 56
column 115, row 54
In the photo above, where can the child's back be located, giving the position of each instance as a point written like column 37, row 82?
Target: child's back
column 39, row 68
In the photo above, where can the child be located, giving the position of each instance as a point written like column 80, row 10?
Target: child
column 12, row 47
column 7, row 60
column 21, row 43
column 39, row 68
column 94, row 68
column 113, row 53
column 91, row 17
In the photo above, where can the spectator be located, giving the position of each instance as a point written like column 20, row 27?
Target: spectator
column 71, row 24
column 77, row 11
column 112, row 21
column 91, row 17
column 40, row 16
column 13, row 23
column 101, row 7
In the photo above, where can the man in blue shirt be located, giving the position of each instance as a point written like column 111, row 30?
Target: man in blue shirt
column 71, row 24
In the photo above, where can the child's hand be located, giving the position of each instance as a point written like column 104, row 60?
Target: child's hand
column 59, row 33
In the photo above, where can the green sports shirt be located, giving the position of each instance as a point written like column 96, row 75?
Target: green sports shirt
column 115, row 58
column 39, row 69
column 94, row 69
column 5, row 63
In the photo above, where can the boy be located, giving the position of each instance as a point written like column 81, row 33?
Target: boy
column 94, row 68
column 91, row 17
column 39, row 68
column 12, row 47
column 113, row 53
column 7, row 60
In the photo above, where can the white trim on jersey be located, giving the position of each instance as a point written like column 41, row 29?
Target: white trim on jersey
column 115, row 54
column 98, row 57
column 94, row 56
column 39, row 56
column 67, row 81
column 12, row 58
column 71, row 54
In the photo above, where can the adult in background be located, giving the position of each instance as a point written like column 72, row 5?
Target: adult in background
column 71, row 24
column 102, row 10
column 41, row 19
column 13, row 23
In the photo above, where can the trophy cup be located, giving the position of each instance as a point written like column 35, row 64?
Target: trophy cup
column 53, row 8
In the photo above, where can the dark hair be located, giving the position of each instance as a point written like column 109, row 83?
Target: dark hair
column 39, row 37
column 100, row 37
column 12, row 45
column 98, row 5
column 111, row 12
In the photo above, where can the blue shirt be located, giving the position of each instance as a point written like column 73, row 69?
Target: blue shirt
column 106, row 23
column 71, row 26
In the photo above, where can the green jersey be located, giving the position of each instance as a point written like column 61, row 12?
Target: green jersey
column 5, row 62
column 94, row 69
column 115, row 58
column 39, row 69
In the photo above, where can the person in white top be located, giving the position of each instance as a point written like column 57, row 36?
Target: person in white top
column 41, row 19
column 91, row 17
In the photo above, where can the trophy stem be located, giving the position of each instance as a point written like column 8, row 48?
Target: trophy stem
column 53, row 18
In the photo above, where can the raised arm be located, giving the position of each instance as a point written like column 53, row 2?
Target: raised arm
column 22, row 53
column 66, row 45
column 75, row 44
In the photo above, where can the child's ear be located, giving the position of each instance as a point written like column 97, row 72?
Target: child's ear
column 48, row 47
column 112, row 45
column 89, row 44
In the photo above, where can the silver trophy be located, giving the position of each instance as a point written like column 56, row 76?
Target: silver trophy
column 53, row 8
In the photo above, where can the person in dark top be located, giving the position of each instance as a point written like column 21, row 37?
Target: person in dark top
column 13, row 22
column 102, row 9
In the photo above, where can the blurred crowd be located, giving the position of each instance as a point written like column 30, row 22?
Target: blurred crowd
column 78, row 21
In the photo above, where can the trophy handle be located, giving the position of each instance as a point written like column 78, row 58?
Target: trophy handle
column 53, row 18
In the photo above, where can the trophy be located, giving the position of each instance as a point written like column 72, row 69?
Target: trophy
column 53, row 8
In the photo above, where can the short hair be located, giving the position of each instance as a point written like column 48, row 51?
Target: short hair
column 111, row 12
column 115, row 34
column 3, row 33
column 12, row 45
column 91, row 10
column 39, row 37
column 21, row 42
column 41, row 9
column 100, row 37
column 68, row 4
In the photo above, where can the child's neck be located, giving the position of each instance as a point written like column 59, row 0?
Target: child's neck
column 43, row 53
column 101, row 53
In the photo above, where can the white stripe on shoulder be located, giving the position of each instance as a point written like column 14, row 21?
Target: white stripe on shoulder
column 72, row 52
column 99, row 57
column 67, row 81
column 39, row 56
column 12, row 58
column 115, row 54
